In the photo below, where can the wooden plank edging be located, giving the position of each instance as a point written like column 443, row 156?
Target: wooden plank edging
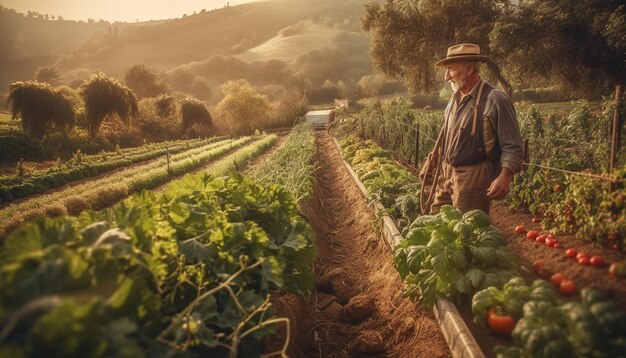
column 460, row 340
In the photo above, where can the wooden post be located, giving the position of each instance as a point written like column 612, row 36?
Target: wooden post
column 616, row 133
column 167, row 149
column 417, row 144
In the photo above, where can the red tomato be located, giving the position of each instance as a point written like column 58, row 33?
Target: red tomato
column 550, row 242
column 584, row 260
column 537, row 265
column 550, row 236
column 567, row 287
column 596, row 260
column 532, row 234
column 557, row 245
column 571, row 252
column 557, row 278
column 541, row 238
column 500, row 324
column 557, row 187
column 520, row 229
column 581, row 254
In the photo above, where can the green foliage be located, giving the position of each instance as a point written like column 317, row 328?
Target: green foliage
column 386, row 181
column 39, row 105
column 185, row 272
column 106, row 191
column 393, row 125
column 243, row 109
column 448, row 254
column 105, row 96
column 15, row 147
column 510, row 299
column 551, row 327
column 563, row 28
column 408, row 36
column 82, row 166
column 575, row 140
column 292, row 165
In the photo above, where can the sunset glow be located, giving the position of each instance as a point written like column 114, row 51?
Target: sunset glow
column 118, row 10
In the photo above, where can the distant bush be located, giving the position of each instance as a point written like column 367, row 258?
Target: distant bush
column 15, row 147
column 291, row 105
column 243, row 109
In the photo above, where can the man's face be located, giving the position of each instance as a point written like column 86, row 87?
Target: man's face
column 456, row 74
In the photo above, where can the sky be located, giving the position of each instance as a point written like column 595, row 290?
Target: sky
column 117, row 10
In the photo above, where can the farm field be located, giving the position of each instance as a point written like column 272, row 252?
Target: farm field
column 533, row 261
column 250, row 179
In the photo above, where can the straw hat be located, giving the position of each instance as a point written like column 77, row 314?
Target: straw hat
column 463, row 52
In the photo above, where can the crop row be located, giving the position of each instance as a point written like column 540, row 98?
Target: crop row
column 82, row 167
column 292, row 165
column 103, row 192
column 387, row 182
column 186, row 272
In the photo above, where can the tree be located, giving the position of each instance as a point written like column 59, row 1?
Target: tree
column 105, row 96
column 194, row 113
column 579, row 46
column 144, row 82
column 242, row 107
column 409, row 36
column 39, row 105
column 48, row 74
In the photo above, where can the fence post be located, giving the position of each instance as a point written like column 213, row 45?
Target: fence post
column 417, row 144
column 616, row 132
column 167, row 149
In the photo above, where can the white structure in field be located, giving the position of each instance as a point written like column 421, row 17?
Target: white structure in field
column 320, row 118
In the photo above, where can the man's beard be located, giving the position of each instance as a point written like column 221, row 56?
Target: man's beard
column 459, row 83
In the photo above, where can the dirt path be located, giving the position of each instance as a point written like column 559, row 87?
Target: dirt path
column 357, row 308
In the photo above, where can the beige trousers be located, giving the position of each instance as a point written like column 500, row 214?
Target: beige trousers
column 464, row 187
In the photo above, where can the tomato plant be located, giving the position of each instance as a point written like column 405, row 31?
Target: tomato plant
column 501, row 324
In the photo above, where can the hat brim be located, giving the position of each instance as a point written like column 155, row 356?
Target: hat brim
column 463, row 58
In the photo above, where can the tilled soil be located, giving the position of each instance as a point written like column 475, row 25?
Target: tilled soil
column 357, row 308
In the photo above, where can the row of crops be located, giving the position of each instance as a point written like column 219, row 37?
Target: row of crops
column 85, row 166
column 105, row 191
column 462, row 257
column 186, row 271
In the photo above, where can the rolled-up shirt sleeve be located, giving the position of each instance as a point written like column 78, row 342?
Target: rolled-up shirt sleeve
column 501, row 113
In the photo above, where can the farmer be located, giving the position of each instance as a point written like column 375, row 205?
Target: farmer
column 480, row 147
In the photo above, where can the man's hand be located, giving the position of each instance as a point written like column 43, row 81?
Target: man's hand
column 501, row 185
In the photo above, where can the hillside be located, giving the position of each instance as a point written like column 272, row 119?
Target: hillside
column 222, row 32
column 301, row 44
column 29, row 41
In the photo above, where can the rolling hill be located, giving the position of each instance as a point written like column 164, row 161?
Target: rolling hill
column 284, row 42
